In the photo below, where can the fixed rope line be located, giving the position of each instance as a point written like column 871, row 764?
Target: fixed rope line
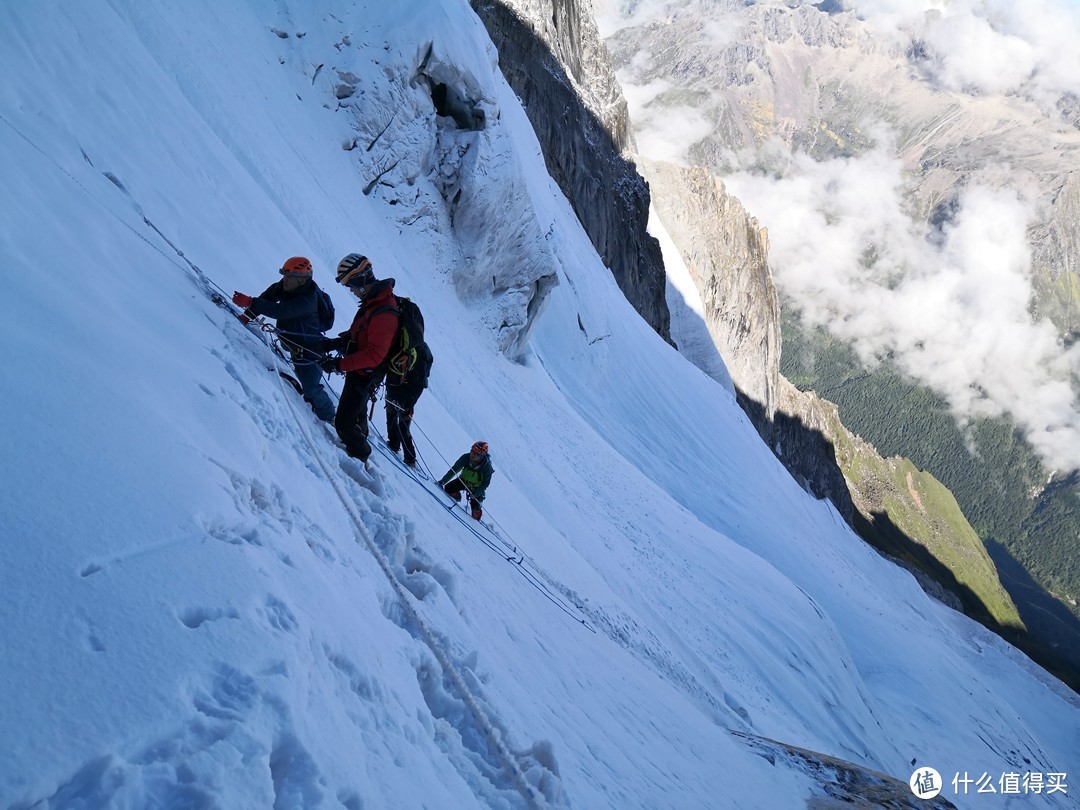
column 112, row 179
column 516, row 557
column 200, row 276
column 504, row 537
column 291, row 346
column 419, row 455
column 491, row 733
column 528, row 792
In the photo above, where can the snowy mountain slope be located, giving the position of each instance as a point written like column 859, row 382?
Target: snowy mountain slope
column 194, row 616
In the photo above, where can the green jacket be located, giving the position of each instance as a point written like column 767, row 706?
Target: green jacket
column 476, row 478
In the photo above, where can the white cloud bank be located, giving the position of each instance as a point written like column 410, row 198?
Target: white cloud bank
column 952, row 312
column 975, row 46
column 665, row 133
column 988, row 46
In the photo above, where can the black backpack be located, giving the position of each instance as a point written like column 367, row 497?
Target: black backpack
column 408, row 343
column 324, row 315
column 422, row 370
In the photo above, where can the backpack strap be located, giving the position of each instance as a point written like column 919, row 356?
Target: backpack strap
column 388, row 361
column 403, row 360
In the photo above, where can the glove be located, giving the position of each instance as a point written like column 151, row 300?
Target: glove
column 244, row 319
column 331, row 365
column 477, row 512
column 242, row 300
column 327, row 344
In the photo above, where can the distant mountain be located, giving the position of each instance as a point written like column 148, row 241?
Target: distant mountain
column 760, row 86
column 819, row 81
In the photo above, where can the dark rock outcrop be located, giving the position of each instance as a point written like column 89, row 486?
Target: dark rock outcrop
column 551, row 55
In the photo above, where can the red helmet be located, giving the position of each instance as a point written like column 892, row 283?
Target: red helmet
column 296, row 266
column 480, row 448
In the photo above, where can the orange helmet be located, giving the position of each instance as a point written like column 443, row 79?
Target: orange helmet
column 296, row 266
column 480, row 448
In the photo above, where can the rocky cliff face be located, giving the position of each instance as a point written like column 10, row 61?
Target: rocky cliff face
column 553, row 58
column 726, row 252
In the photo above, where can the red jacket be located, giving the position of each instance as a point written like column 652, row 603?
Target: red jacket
column 372, row 332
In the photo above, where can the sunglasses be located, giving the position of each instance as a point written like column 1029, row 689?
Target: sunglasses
column 359, row 272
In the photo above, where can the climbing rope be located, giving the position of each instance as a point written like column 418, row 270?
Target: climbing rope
column 496, row 541
column 491, row 732
column 523, row 564
column 279, row 344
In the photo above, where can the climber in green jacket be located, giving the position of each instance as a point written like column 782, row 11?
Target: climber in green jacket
column 471, row 473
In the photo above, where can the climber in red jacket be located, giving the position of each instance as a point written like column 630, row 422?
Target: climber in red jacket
column 364, row 348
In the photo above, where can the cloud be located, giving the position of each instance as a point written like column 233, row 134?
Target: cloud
column 987, row 46
column 972, row 55
column 1027, row 48
column 665, row 132
column 951, row 312
column 611, row 15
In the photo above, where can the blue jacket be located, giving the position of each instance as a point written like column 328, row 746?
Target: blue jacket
column 296, row 313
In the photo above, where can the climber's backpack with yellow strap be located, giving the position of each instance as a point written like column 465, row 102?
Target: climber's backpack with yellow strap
column 408, row 355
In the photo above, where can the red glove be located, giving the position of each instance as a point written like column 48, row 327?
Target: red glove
column 477, row 512
column 241, row 300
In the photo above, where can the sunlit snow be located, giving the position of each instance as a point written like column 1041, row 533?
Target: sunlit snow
column 205, row 603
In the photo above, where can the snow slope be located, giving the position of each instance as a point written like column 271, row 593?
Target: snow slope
column 206, row 604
